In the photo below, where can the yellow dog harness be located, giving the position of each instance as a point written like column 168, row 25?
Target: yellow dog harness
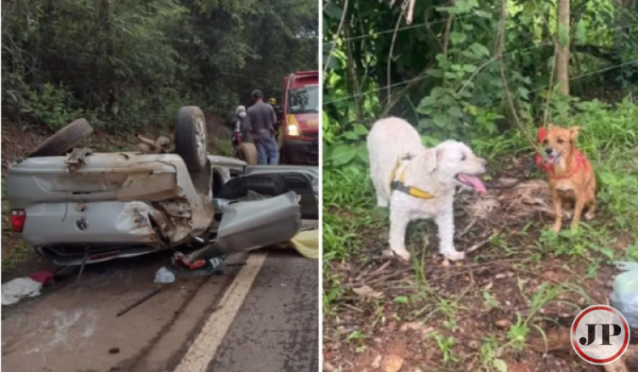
column 398, row 183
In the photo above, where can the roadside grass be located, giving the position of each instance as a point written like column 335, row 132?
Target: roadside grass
column 515, row 290
column 221, row 146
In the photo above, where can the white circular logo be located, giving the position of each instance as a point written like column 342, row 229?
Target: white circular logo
column 600, row 334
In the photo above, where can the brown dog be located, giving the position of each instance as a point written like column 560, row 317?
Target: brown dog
column 571, row 176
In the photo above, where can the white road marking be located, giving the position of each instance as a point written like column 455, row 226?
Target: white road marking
column 205, row 346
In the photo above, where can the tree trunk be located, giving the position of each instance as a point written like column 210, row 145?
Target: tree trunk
column 562, row 54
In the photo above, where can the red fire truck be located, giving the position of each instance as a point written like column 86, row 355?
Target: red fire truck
column 300, row 142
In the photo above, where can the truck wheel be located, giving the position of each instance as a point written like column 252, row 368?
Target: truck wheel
column 248, row 153
column 64, row 139
column 190, row 137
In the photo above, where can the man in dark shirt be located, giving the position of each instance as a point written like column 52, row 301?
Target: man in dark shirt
column 260, row 121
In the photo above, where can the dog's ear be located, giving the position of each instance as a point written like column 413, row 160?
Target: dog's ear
column 432, row 157
column 573, row 133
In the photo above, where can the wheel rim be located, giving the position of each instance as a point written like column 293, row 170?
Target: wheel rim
column 200, row 139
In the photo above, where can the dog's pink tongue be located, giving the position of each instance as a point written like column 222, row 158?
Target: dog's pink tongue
column 474, row 181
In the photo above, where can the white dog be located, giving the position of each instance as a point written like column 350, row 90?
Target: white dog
column 416, row 182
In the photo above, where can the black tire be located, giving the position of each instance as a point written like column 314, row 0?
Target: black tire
column 64, row 139
column 248, row 153
column 190, row 126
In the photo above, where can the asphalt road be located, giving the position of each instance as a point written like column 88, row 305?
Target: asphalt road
column 262, row 316
column 278, row 323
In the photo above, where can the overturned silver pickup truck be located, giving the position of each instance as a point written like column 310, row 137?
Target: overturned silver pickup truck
column 77, row 207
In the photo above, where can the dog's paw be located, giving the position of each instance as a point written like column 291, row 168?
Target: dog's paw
column 590, row 216
column 454, row 255
column 556, row 228
column 402, row 254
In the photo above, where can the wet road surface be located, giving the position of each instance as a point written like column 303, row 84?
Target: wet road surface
column 262, row 316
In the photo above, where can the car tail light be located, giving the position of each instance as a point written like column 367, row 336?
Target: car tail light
column 18, row 218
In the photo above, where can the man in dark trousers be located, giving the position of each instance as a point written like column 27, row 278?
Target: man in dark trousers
column 260, row 121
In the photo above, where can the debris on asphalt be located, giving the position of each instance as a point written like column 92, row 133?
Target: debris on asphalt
column 114, row 350
column 624, row 295
column 305, row 242
column 210, row 267
column 216, row 262
column 164, row 276
column 180, row 259
column 44, row 277
column 18, row 288
column 140, row 301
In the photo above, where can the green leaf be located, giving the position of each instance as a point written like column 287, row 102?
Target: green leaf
column 470, row 54
column 500, row 365
column 480, row 49
column 469, row 68
column 482, row 13
column 464, row 93
column 342, row 154
column 440, row 120
column 360, row 129
column 355, row 335
column 351, row 136
column 429, row 141
column 437, row 92
column 333, row 11
column 457, row 37
column 449, row 75
column 425, row 104
column 455, row 111
column 401, row 300
column 363, row 155
column 581, row 32
column 325, row 120
column 529, row 8
column 563, row 35
column 443, row 61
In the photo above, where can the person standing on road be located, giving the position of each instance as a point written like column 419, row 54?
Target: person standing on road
column 261, row 121
column 278, row 114
column 239, row 134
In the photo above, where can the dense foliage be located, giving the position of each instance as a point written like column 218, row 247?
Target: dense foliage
column 442, row 72
column 134, row 63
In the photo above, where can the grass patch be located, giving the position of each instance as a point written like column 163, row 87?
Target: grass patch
column 221, row 146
